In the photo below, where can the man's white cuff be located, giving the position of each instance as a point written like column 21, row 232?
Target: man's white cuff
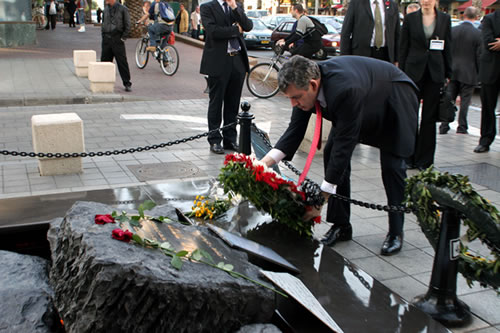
column 328, row 188
column 276, row 154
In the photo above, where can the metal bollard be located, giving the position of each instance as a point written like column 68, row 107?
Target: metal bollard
column 245, row 119
column 441, row 301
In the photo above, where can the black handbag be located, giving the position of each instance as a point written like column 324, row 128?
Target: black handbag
column 447, row 108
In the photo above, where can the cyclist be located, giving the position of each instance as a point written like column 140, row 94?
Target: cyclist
column 160, row 27
column 305, row 31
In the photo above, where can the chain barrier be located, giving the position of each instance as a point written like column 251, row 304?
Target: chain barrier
column 311, row 187
column 115, row 152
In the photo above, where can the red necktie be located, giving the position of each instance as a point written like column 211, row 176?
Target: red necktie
column 316, row 144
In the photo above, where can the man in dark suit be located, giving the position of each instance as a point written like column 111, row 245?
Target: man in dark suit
column 371, row 29
column 367, row 101
column 465, row 53
column 225, row 61
column 489, row 75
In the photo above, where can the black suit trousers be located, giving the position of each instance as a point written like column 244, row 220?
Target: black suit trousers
column 225, row 94
column 71, row 13
column 465, row 91
column 489, row 98
column 114, row 48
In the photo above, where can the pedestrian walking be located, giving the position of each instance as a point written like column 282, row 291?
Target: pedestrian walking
column 184, row 20
column 99, row 14
column 195, row 23
column 71, row 8
column 489, row 75
column 371, row 29
column 465, row 55
column 225, row 61
column 425, row 56
column 115, row 30
column 51, row 9
column 82, row 8
column 368, row 101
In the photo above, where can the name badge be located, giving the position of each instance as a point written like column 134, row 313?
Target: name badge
column 437, row 45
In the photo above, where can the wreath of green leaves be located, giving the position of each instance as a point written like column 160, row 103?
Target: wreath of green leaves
column 430, row 190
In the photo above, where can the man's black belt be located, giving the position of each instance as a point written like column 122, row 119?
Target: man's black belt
column 232, row 54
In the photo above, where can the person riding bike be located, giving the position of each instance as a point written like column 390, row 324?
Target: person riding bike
column 305, row 31
column 161, row 27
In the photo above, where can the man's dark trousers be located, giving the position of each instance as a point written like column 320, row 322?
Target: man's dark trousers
column 465, row 91
column 225, row 94
column 489, row 97
column 114, row 47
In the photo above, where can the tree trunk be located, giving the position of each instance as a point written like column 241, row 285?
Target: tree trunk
column 135, row 11
column 478, row 4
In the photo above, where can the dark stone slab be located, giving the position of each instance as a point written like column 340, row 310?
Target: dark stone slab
column 25, row 295
column 157, row 171
column 480, row 173
column 104, row 285
column 259, row 328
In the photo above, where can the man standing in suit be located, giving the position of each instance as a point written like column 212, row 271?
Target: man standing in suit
column 465, row 67
column 371, row 29
column 367, row 101
column 489, row 75
column 225, row 61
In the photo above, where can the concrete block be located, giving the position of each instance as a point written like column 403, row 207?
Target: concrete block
column 58, row 133
column 305, row 146
column 81, row 59
column 102, row 76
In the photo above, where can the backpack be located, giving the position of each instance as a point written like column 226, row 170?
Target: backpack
column 166, row 12
column 318, row 26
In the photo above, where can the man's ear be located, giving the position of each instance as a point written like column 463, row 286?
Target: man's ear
column 315, row 84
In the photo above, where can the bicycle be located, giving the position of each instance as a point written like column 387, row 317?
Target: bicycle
column 262, row 79
column 165, row 53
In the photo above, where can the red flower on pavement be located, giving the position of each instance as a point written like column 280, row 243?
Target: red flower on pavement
column 103, row 219
column 122, row 235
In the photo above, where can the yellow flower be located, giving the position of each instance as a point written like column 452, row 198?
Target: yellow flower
column 202, row 197
column 198, row 204
column 197, row 197
column 194, row 202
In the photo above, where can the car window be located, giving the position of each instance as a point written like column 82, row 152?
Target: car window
column 287, row 26
column 258, row 25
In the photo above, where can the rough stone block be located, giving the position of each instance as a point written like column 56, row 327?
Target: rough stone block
column 102, row 87
column 305, row 146
column 102, row 76
column 26, row 295
column 58, row 133
column 81, row 59
column 105, row 285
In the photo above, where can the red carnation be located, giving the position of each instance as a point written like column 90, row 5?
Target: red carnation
column 317, row 219
column 387, row 3
column 122, row 235
column 103, row 219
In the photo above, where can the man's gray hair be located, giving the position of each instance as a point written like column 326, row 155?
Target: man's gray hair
column 471, row 13
column 298, row 71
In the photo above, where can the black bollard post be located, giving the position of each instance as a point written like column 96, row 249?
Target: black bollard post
column 441, row 301
column 245, row 119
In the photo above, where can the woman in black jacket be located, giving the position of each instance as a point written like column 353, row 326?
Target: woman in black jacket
column 426, row 58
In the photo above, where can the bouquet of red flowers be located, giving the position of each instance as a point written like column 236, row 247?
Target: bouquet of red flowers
column 267, row 191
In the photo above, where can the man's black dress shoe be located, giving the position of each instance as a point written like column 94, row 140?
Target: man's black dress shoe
column 443, row 131
column 216, row 148
column 337, row 233
column 232, row 146
column 481, row 149
column 128, row 88
column 392, row 245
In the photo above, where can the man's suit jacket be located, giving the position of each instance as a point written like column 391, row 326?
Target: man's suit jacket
column 465, row 51
column 218, row 31
column 415, row 55
column 357, row 29
column 368, row 101
column 489, row 68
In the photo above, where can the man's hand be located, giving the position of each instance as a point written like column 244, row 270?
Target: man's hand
column 280, row 43
column 231, row 3
column 268, row 161
column 239, row 28
column 495, row 46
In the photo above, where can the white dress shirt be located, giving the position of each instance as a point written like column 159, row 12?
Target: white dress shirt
column 381, row 5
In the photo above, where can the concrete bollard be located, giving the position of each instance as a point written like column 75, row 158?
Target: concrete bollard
column 102, row 76
column 81, row 59
column 58, row 133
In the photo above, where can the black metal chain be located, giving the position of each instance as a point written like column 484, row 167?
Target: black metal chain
column 309, row 186
column 115, row 152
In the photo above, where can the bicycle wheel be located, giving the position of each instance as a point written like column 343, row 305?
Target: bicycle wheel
column 141, row 55
column 262, row 80
column 170, row 60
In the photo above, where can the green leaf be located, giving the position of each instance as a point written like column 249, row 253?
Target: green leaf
column 134, row 220
column 228, row 267
column 196, row 255
column 207, row 256
column 182, row 253
column 122, row 218
column 176, row 262
column 220, row 265
column 114, row 214
column 151, row 242
column 136, row 238
column 166, row 246
column 148, row 205
column 233, row 274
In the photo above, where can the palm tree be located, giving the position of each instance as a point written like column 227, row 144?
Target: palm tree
column 135, row 11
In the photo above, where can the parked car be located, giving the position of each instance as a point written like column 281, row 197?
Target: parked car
column 272, row 21
column 259, row 13
column 259, row 36
column 328, row 19
column 331, row 41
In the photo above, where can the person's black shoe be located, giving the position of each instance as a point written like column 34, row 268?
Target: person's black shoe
column 391, row 245
column 232, row 146
column 216, row 148
column 128, row 88
column 481, row 149
column 337, row 234
column 443, row 131
column 462, row 131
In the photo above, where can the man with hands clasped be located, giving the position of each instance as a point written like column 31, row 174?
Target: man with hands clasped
column 367, row 101
column 225, row 61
